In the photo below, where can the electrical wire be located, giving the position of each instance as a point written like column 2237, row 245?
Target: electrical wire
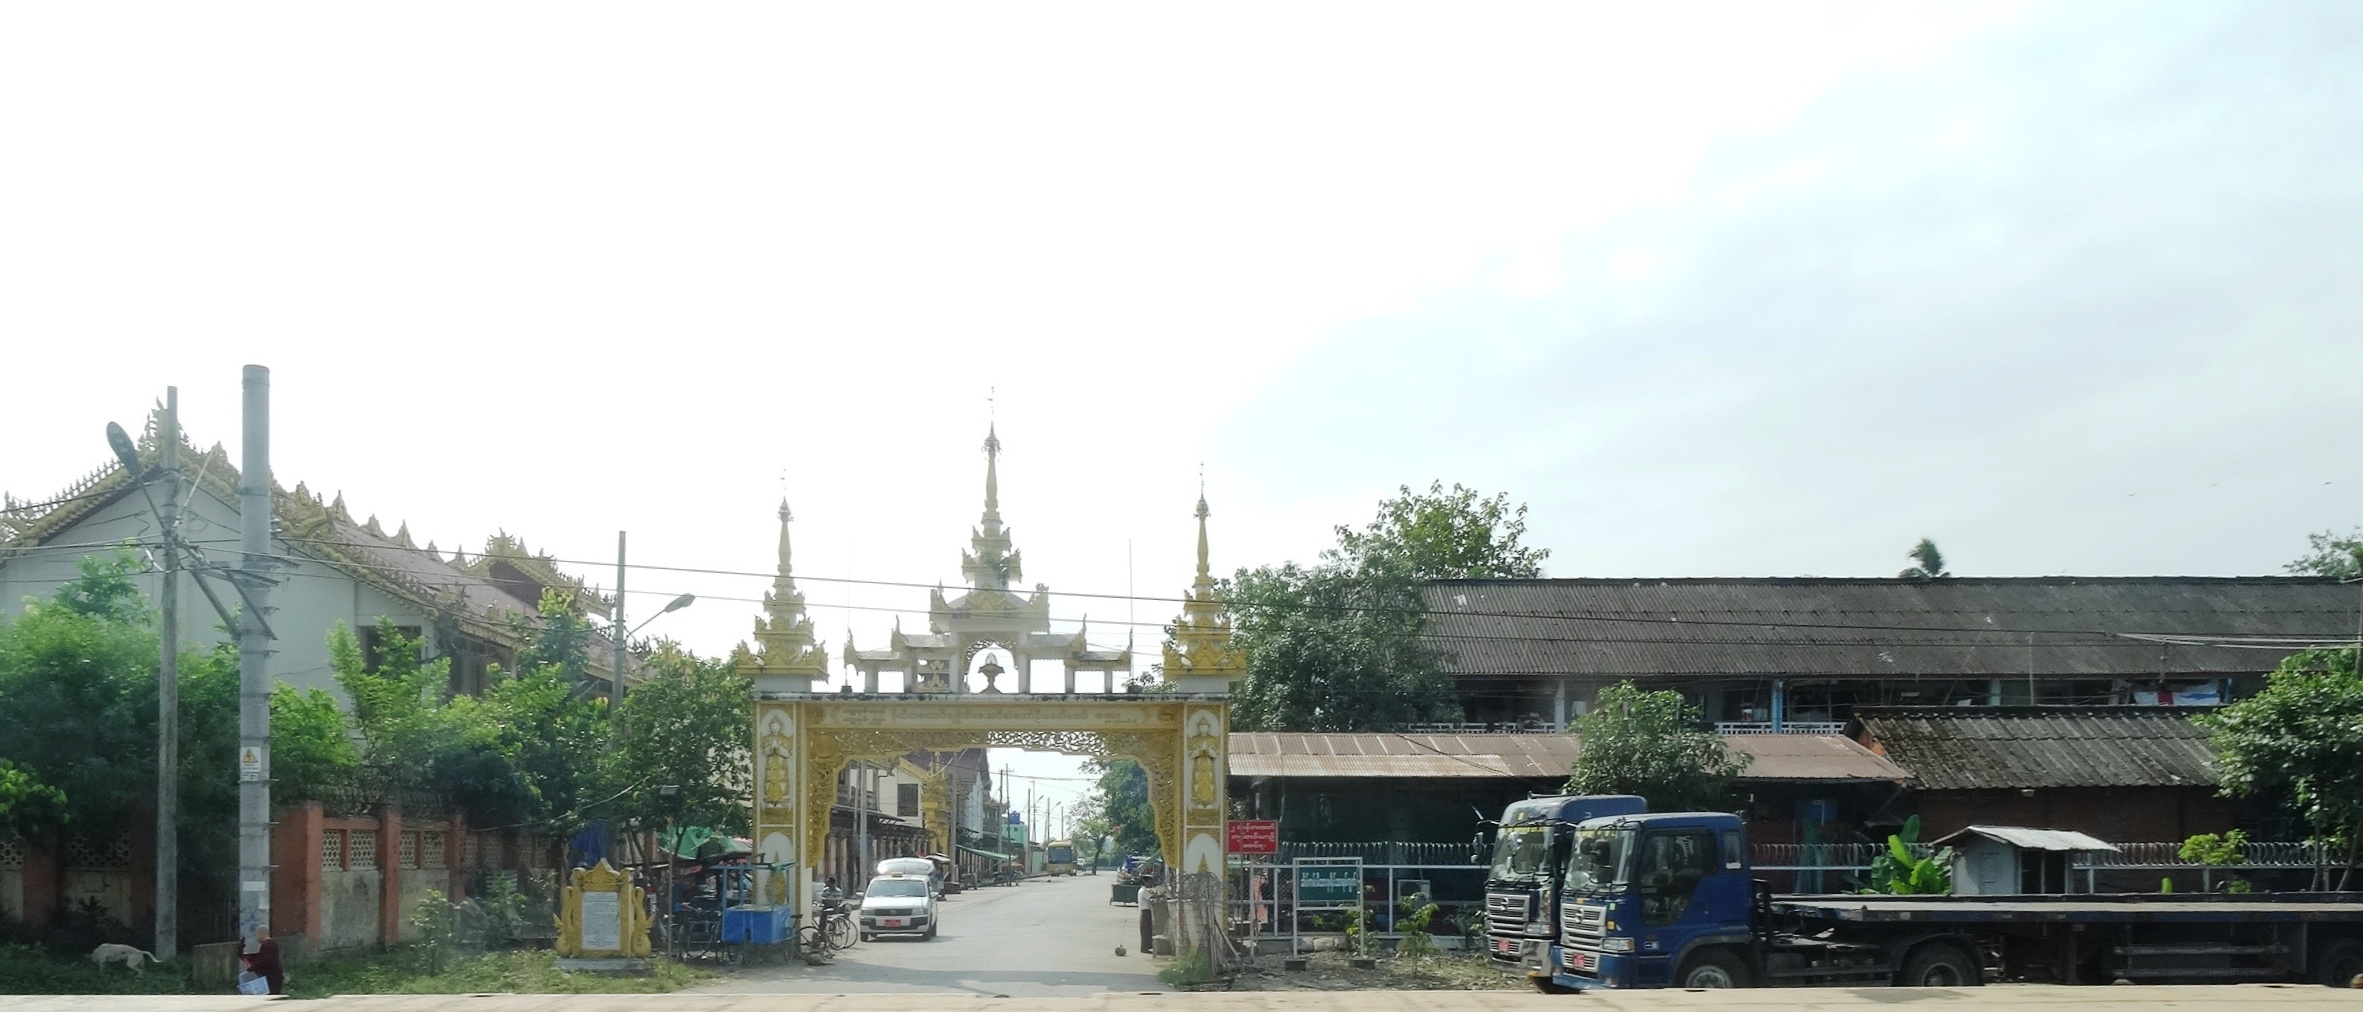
column 1982, row 633
column 1981, row 638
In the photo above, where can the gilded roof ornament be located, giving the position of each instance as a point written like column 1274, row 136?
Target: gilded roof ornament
column 784, row 642
column 1201, row 646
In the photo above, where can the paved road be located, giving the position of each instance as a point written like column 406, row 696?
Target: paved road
column 2234, row 998
column 1044, row 938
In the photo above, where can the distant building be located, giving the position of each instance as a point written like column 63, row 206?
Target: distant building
column 1800, row 655
column 2119, row 773
column 472, row 609
column 1422, row 787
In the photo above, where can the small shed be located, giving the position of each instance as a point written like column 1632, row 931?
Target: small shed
column 2006, row 860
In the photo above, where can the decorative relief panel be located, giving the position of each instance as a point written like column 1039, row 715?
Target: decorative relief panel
column 996, row 714
column 775, row 750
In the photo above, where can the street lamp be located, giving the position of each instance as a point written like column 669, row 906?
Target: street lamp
column 675, row 605
column 615, row 680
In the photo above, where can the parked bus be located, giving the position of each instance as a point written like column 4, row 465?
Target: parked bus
column 1061, row 857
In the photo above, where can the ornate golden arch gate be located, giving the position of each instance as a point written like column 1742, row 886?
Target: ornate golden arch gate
column 804, row 735
column 804, row 741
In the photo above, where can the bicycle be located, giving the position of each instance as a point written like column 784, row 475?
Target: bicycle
column 832, row 934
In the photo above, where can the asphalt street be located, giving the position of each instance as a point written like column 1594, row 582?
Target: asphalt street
column 2158, row 998
column 1043, row 938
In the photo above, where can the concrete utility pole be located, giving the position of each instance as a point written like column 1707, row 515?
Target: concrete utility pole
column 168, row 692
column 861, row 819
column 254, row 655
column 615, row 681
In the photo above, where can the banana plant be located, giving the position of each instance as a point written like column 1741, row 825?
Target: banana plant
column 1898, row 872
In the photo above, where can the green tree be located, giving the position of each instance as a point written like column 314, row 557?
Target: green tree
column 414, row 743
column 1440, row 535
column 1332, row 649
column 78, row 714
column 1927, row 563
column 312, row 754
column 685, row 728
column 27, row 805
column 2300, row 742
column 78, row 696
column 1651, row 744
column 1124, row 804
column 2332, row 555
column 1337, row 646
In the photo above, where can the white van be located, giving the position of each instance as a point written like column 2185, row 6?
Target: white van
column 917, row 867
column 898, row 905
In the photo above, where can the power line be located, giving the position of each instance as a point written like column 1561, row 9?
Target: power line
column 1629, row 618
column 1979, row 636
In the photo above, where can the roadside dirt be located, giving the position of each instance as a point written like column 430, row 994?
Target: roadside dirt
column 1333, row 971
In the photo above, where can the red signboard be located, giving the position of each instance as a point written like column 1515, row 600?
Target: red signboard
column 1255, row 837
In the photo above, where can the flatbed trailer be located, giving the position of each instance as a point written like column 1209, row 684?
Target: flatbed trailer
column 1669, row 900
column 2102, row 938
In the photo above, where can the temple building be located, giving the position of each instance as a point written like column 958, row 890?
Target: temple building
column 335, row 567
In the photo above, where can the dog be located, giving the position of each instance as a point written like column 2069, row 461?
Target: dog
column 131, row 956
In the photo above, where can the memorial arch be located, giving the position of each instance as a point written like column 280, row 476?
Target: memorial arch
column 806, row 735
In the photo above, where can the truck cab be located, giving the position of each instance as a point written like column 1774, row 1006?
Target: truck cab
column 1521, row 887
column 1656, row 901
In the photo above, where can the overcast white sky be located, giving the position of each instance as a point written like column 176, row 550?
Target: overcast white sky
column 1739, row 289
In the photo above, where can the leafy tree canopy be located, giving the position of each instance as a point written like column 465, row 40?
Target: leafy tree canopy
column 1332, row 649
column 1652, row 744
column 2300, row 742
column 1337, row 646
column 2332, row 555
column 1123, row 802
column 78, row 695
column 27, row 805
column 685, row 728
column 1927, row 563
column 312, row 753
column 1440, row 535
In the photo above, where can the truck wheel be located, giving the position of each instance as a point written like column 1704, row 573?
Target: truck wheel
column 1940, row 964
column 2339, row 963
column 1712, row 968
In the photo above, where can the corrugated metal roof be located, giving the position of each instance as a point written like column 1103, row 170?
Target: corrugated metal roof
column 1968, row 748
column 2032, row 839
column 1537, row 756
column 1831, row 627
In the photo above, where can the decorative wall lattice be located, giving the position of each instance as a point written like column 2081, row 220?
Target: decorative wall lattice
column 364, row 850
column 82, row 851
column 431, row 844
column 12, row 852
column 406, row 851
column 332, row 850
column 471, row 850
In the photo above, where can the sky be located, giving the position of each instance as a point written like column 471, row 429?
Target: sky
column 1715, row 289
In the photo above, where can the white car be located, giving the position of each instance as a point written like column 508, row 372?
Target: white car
column 898, row 905
column 918, row 866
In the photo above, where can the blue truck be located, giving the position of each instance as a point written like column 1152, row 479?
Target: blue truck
column 1670, row 900
column 1529, row 858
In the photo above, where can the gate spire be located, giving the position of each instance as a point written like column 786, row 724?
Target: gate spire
column 1200, row 657
column 990, row 563
column 785, row 647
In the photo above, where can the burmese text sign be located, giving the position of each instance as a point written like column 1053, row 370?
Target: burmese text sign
column 1254, row 836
